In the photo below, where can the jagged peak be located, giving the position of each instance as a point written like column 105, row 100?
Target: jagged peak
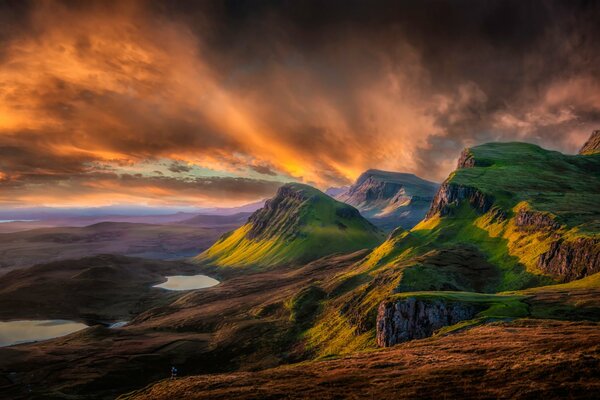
column 592, row 146
column 388, row 176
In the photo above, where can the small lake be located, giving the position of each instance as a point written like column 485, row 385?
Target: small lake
column 187, row 282
column 15, row 332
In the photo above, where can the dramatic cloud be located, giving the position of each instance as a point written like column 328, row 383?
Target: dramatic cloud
column 240, row 96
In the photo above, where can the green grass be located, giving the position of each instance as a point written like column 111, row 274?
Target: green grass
column 303, row 228
column 566, row 185
column 516, row 176
column 305, row 305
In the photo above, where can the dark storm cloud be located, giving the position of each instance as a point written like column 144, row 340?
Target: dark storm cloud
column 179, row 168
column 315, row 90
column 263, row 169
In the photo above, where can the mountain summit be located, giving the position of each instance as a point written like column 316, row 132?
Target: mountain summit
column 390, row 199
column 299, row 224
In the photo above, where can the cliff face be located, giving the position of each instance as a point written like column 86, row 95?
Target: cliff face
column 532, row 220
column 390, row 199
column 466, row 159
column 450, row 195
column 407, row 319
column 572, row 260
column 592, row 146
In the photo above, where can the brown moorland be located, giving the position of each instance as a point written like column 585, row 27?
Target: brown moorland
column 524, row 359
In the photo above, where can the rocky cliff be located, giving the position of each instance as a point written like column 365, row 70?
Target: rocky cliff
column 592, row 146
column 390, row 199
column 527, row 219
column 410, row 318
column 450, row 195
column 572, row 260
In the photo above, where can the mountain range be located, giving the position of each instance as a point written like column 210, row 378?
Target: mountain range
column 501, row 276
column 390, row 199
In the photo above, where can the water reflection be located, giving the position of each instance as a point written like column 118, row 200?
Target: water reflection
column 183, row 282
column 15, row 332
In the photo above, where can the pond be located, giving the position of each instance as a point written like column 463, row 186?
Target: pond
column 187, row 282
column 15, row 332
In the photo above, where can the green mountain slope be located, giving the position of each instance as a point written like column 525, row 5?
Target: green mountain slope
column 299, row 224
column 529, row 211
column 512, row 216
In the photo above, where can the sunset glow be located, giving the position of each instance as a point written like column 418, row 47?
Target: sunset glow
column 88, row 92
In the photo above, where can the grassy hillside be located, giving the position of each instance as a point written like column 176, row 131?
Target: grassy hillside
column 299, row 224
column 567, row 186
column 491, row 225
column 558, row 193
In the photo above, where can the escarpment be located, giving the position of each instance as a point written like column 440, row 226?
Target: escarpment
column 533, row 220
column 450, row 195
column 410, row 318
column 572, row 260
column 592, row 146
column 281, row 215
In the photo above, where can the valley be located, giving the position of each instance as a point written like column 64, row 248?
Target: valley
column 500, row 277
column 315, row 199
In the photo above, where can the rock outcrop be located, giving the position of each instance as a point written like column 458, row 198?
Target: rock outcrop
column 411, row 318
column 572, row 260
column 466, row 159
column 592, row 146
column 535, row 220
column 450, row 195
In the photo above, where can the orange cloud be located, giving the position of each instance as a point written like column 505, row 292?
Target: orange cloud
column 108, row 83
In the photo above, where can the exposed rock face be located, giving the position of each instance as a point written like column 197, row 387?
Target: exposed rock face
column 466, row 159
column 451, row 194
column 406, row 319
column 572, row 260
column 592, row 146
column 528, row 219
column 390, row 199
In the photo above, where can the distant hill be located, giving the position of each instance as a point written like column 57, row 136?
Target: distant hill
column 26, row 248
column 390, row 199
column 217, row 220
column 335, row 191
column 299, row 224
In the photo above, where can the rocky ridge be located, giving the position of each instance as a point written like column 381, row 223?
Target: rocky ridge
column 592, row 146
column 572, row 260
column 410, row 318
column 390, row 199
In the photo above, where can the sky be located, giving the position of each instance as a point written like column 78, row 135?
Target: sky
column 217, row 103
